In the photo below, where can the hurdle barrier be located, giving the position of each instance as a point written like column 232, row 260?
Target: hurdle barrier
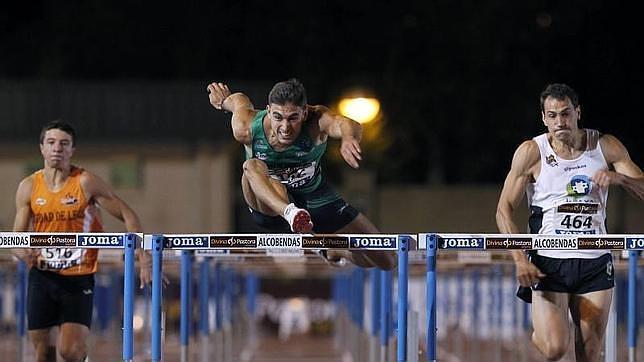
column 219, row 245
column 432, row 242
column 125, row 241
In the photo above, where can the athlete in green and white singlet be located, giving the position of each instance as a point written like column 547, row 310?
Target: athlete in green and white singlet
column 282, row 180
column 298, row 167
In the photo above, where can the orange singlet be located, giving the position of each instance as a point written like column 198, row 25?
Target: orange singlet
column 66, row 210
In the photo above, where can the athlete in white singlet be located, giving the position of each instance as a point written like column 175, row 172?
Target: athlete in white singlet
column 566, row 173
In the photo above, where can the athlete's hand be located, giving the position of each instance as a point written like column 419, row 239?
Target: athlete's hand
column 217, row 93
column 351, row 152
column 527, row 273
column 604, row 178
column 29, row 256
column 145, row 271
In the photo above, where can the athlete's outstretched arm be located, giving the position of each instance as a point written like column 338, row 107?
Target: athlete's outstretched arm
column 343, row 128
column 97, row 189
column 94, row 187
column 23, row 219
column 525, row 157
column 238, row 104
column 627, row 174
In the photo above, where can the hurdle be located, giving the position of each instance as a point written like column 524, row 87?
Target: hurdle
column 125, row 241
column 227, row 245
column 432, row 242
column 210, row 244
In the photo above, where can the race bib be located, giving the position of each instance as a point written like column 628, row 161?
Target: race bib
column 295, row 177
column 59, row 258
column 577, row 218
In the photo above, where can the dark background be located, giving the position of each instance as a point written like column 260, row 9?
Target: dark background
column 458, row 80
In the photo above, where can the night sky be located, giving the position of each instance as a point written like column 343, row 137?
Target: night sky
column 459, row 81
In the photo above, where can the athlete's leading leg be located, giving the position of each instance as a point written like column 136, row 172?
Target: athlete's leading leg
column 269, row 196
column 72, row 344
column 369, row 258
column 590, row 315
column 44, row 341
column 551, row 325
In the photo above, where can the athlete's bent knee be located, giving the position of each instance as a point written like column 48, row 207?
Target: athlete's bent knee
column 254, row 165
column 73, row 352
column 552, row 350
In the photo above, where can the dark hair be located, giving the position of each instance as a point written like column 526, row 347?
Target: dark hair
column 559, row 91
column 289, row 91
column 65, row 127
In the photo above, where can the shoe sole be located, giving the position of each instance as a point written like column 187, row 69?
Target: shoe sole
column 302, row 222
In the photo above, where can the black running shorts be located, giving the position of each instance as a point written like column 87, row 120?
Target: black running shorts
column 573, row 276
column 327, row 219
column 53, row 299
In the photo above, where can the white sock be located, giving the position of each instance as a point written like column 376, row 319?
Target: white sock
column 289, row 212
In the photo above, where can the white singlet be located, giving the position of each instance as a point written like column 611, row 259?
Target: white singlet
column 563, row 199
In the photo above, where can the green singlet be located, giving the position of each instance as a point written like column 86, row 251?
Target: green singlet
column 297, row 167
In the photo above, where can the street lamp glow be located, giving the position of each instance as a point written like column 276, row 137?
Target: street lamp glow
column 360, row 109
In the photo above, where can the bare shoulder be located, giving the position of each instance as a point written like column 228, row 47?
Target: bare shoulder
column 527, row 154
column 91, row 183
column 26, row 185
column 613, row 149
column 87, row 176
column 317, row 120
column 27, row 182
column 316, row 112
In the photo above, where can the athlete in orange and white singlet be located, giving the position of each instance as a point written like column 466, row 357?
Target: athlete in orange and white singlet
column 64, row 198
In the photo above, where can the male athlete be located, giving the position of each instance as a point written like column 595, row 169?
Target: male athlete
column 566, row 173
column 62, row 197
column 282, row 180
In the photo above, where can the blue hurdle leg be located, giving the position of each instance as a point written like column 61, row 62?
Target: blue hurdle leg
column 632, row 305
column 128, row 298
column 403, row 267
column 157, row 260
column 186, row 312
column 430, row 241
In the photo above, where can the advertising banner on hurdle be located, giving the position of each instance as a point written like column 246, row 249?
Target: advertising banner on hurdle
column 532, row 241
column 275, row 241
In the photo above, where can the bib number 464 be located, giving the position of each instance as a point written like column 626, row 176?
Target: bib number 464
column 576, row 222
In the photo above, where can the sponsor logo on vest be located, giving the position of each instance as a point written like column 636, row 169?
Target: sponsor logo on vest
column 68, row 200
column 601, row 243
column 261, row 156
column 460, row 243
column 578, row 208
column 185, row 242
column 554, row 243
column 314, row 242
column 572, row 168
column 53, row 240
column 100, row 240
column 279, row 241
column 14, row 240
column 224, row 241
column 579, row 185
column 508, row 243
column 551, row 160
column 260, row 145
column 40, row 201
column 635, row 243
column 375, row 242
